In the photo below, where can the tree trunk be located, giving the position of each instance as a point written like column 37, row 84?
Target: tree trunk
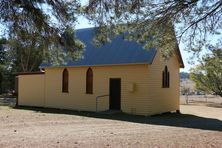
column 187, row 101
column 0, row 83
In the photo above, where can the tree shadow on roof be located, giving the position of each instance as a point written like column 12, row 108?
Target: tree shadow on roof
column 167, row 119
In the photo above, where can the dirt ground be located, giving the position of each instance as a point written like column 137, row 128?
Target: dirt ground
column 196, row 126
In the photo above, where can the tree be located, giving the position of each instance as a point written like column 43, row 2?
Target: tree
column 5, row 73
column 2, row 51
column 186, row 91
column 26, row 50
column 38, row 21
column 2, row 61
column 155, row 20
column 150, row 22
column 208, row 75
column 153, row 23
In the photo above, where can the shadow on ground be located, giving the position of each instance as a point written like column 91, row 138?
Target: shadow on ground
column 215, row 105
column 168, row 119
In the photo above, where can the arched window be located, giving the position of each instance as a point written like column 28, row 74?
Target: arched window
column 165, row 78
column 89, row 81
column 65, row 81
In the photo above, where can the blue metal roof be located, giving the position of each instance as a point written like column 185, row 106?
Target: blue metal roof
column 118, row 52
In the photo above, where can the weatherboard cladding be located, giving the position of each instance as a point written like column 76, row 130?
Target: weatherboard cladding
column 118, row 52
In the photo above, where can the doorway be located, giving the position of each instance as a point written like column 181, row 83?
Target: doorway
column 115, row 93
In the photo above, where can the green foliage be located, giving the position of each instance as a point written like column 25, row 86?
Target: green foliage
column 34, row 27
column 154, row 22
column 70, row 40
column 2, row 61
column 70, row 48
column 2, row 51
column 6, row 77
column 208, row 75
column 25, row 51
column 151, row 23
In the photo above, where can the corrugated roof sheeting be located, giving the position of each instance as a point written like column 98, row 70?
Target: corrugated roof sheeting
column 118, row 52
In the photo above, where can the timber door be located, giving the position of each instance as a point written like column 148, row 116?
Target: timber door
column 115, row 94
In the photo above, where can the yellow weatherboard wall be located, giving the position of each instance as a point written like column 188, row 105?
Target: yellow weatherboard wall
column 78, row 99
column 141, row 88
column 163, row 99
column 31, row 90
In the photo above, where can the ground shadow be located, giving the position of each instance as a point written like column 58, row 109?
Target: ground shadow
column 168, row 119
column 215, row 105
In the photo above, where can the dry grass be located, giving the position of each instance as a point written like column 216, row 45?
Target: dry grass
column 208, row 100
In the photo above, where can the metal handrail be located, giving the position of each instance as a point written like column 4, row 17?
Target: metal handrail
column 97, row 100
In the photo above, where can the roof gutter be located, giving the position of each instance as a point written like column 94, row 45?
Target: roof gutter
column 101, row 65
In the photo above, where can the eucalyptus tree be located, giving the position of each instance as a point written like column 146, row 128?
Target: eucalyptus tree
column 208, row 75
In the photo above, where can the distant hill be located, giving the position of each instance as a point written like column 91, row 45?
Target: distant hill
column 184, row 75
